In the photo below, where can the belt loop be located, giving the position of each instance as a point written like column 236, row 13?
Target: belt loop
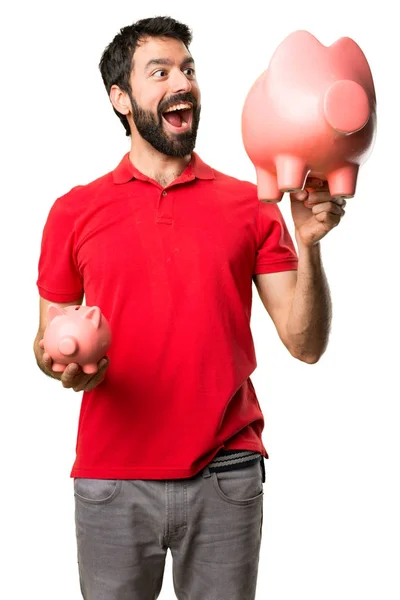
column 263, row 469
column 206, row 472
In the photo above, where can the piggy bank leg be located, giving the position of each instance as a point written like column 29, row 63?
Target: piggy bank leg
column 291, row 172
column 342, row 181
column 58, row 367
column 267, row 187
column 90, row 368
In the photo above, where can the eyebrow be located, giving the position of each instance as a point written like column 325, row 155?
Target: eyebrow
column 167, row 61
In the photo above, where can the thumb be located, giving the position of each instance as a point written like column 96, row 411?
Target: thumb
column 299, row 196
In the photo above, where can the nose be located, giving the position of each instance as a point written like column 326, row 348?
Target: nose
column 179, row 82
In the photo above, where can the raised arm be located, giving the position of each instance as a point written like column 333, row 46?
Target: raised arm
column 299, row 304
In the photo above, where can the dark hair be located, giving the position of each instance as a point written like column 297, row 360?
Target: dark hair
column 116, row 62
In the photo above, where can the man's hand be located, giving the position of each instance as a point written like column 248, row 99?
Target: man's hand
column 315, row 212
column 73, row 376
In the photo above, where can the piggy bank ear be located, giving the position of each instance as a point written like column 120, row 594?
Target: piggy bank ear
column 94, row 315
column 54, row 311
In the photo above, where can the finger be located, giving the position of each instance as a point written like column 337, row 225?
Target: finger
column 328, row 219
column 68, row 378
column 300, row 196
column 318, row 197
column 79, row 381
column 93, row 380
column 329, row 207
column 41, row 344
column 103, row 363
column 47, row 360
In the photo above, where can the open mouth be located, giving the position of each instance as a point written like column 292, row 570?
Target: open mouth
column 179, row 117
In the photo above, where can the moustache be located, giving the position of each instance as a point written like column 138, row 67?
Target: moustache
column 181, row 99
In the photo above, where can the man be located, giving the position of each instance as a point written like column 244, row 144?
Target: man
column 169, row 451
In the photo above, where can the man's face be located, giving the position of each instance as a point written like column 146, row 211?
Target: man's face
column 163, row 76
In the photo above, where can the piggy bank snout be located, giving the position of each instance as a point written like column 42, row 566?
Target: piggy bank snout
column 346, row 106
column 68, row 345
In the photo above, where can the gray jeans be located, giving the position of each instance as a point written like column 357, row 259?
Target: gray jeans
column 212, row 524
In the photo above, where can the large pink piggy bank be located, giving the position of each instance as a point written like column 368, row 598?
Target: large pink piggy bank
column 78, row 334
column 311, row 113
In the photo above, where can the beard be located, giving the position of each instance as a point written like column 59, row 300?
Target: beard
column 150, row 127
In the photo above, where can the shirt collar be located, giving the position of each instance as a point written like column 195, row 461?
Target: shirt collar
column 126, row 170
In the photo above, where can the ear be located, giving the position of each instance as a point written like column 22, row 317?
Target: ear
column 120, row 100
column 54, row 311
column 94, row 315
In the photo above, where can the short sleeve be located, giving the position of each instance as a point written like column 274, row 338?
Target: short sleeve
column 276, row 251
column 59, row 279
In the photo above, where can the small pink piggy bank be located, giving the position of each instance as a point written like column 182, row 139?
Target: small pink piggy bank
column 78, row 334
column 311, row 113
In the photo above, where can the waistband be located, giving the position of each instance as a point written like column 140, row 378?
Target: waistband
column 228, row 460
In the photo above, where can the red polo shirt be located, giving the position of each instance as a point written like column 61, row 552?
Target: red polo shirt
column 171, row 269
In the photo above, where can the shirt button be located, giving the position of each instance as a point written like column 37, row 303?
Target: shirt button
column 164, row 193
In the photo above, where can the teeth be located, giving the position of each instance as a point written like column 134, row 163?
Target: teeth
column 178, row 107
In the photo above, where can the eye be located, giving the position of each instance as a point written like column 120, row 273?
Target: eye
column 164, row 72
column 159, row 71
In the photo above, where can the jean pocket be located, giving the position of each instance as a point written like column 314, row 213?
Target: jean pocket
column 240, row 486
column 96, row 491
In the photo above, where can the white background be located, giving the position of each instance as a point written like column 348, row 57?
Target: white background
column 331, row 524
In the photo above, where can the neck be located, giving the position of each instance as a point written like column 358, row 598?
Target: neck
column 155, row 165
